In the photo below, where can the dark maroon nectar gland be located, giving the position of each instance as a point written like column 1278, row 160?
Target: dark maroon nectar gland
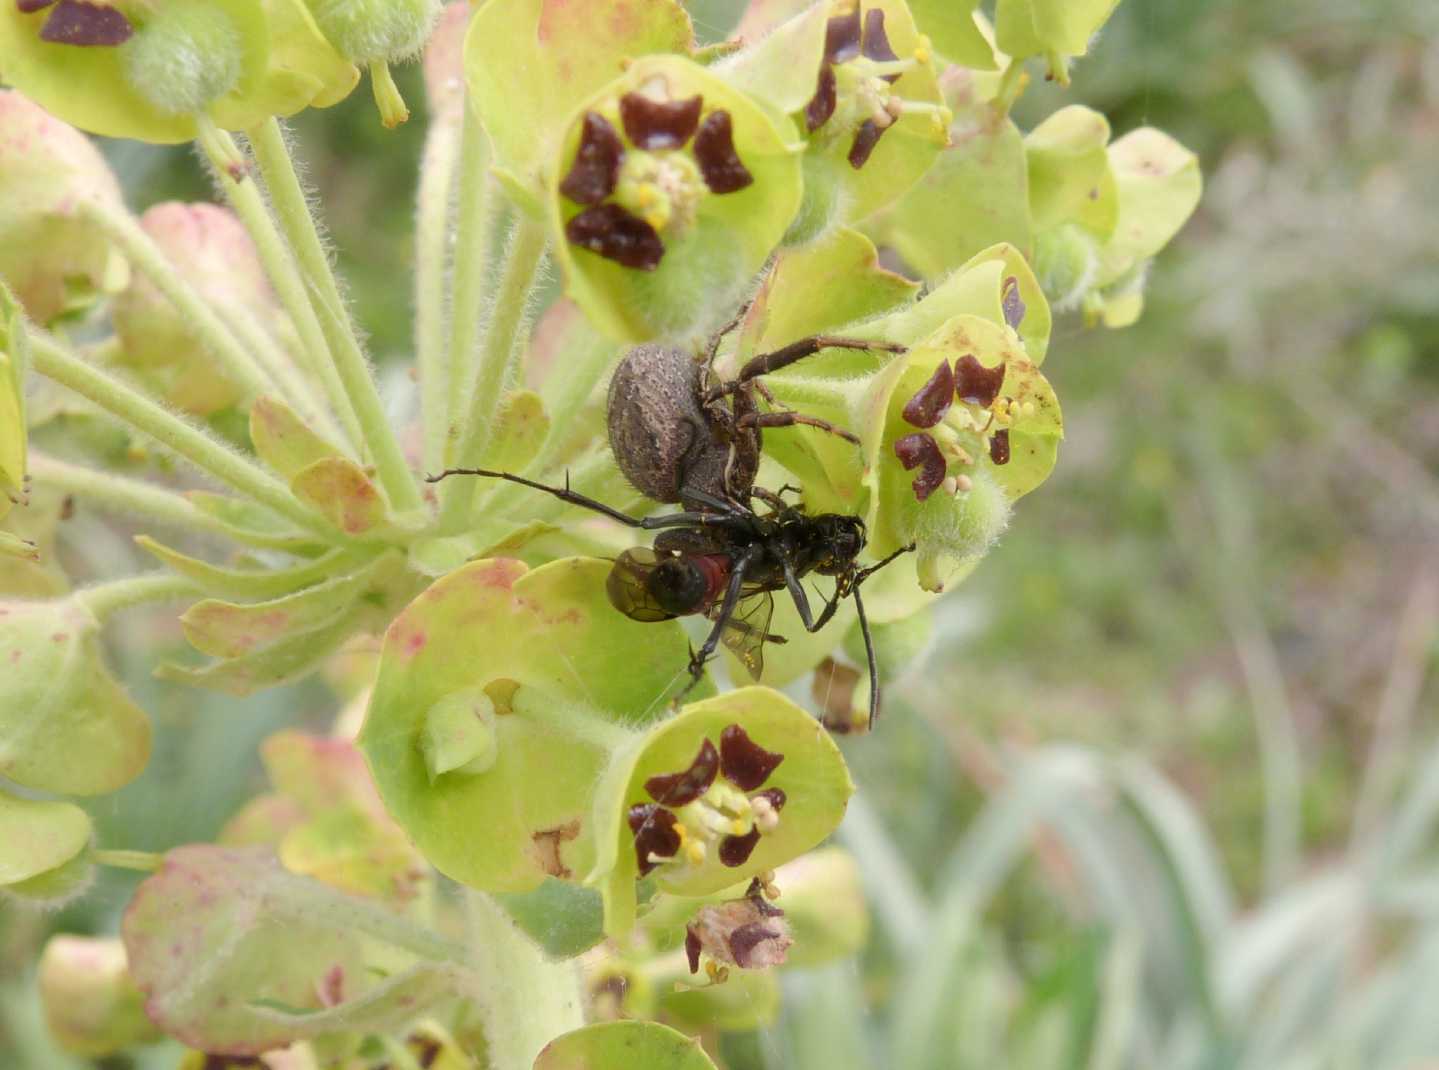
column 953, row 435
column 596, row 170
column 1012, row 303
column 933, row 400
column 75, row 22
column 855, row 83
column 635, row 195
column 703, row 811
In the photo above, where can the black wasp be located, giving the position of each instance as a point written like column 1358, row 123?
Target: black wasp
column 725, row 561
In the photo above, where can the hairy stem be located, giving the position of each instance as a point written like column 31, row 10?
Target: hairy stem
column 432, row 231
column 586, row 359
column 106, row 598
column 208, row 454
column 293, row 212
column 121, row 494
column 474, row 220
column 503, row 339
column 236, row 362
column 245, row 198
column 525, row 999
column 294, row 388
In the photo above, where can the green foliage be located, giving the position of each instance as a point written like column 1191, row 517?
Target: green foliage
column 537, row 824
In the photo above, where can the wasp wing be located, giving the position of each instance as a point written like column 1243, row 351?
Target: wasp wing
column 748, row 630
column 627, row 587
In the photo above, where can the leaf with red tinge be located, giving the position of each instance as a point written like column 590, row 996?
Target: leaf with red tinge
column 237, row 955
column 229, row 630
column 340, row 489
column 284, row 441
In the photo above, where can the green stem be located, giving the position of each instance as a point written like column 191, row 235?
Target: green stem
column 503, row 339
column 140, row 861
column 432, row 222
column 106, row 598
column 121, row 494
column 235, row 360
column 566, row 390
column 292, row 209
column 525, row 1000
column 475, row 218
column 1011, row 85
column 282, row 370
column 569, row 384
column 245, row 198
column 208, row 454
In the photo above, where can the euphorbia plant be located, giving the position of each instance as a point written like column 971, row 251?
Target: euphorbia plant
column 526, row 835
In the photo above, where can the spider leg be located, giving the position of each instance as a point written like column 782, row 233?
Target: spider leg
column 570, row 497
column 774, row 501
column 564, row 493
column 765, row 363
column 786, row 418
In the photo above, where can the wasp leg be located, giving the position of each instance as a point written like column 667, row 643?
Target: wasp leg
column 869, row 658
column 727, row 608
column 865, row 573
column 765, row 363
column 859, row 578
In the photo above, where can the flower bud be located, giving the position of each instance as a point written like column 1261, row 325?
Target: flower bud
column 50, row 257
column 91, row 1005
column 367, row 30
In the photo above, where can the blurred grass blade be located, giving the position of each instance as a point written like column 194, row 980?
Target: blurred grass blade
column 898, row 902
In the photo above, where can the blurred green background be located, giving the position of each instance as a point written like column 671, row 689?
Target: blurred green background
column 1164, row 792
